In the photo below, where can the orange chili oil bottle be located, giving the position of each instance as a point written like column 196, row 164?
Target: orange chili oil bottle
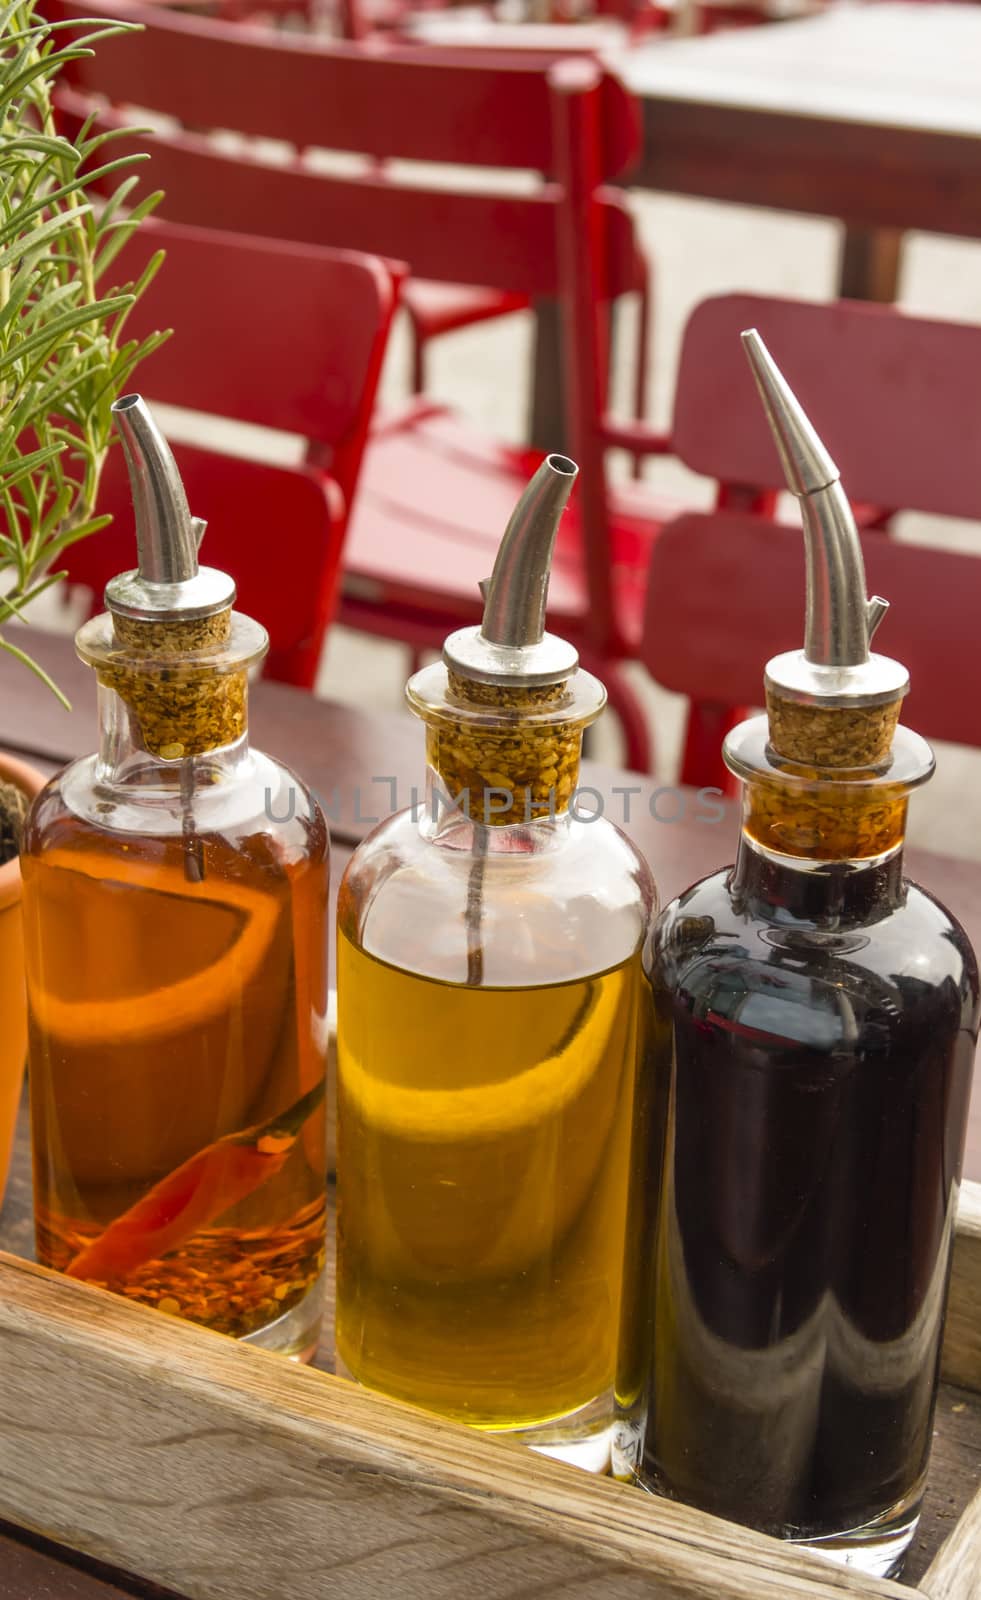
column 176, row 961
column 802, row 1115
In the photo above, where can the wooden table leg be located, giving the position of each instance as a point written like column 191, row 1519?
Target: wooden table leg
column 870, row 263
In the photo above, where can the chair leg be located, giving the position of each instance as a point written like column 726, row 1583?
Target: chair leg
column 418, row 375
column 643, row 365
column 702, row 766
column 630, row 713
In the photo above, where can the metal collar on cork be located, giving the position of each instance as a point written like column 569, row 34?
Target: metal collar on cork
column 168, row 585
column 511, row 648
column 836, row 667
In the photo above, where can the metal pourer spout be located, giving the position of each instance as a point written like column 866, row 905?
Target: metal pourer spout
column 168, row 581
column 840, row 620
column 836, row 666
column 511, row 643
column 515, row 595
column 167, row 536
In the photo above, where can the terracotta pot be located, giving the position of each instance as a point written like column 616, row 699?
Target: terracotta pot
column 13, row 996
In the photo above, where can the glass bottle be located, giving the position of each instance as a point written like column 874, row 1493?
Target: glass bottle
column 176, row 962
column 489, row 986
column 802, row 1114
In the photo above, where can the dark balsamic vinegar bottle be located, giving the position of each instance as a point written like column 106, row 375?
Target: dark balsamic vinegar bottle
column 801, row 1122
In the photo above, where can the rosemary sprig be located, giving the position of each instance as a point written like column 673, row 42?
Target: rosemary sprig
column 63, row 352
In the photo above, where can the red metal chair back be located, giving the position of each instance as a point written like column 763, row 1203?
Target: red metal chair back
column 419, row 105
column 896, row 400
column 284, row 336
column 727, row 593
column 570, row 238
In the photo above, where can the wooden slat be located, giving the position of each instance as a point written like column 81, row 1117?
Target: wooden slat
column 955, row 1574
column 962, row 1340
column 955, row 1463
column 221, row 1471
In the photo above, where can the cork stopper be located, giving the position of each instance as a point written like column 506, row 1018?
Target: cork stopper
column 819, row 811
column 831, row 736
column 181, row 708
column 506, row 708
column 834, row 704
column 516, row 771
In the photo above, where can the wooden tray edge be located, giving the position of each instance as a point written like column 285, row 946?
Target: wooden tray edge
column 962, row 1338
column 215, row 1469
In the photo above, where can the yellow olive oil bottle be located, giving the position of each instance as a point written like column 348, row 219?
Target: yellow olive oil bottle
column 489, row 1004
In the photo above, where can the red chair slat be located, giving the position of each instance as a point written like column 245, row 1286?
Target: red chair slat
column 427, row 106
column 896, row 398
column 279, row 335
column 293, row 343
column 727, row 592
column 496, row 241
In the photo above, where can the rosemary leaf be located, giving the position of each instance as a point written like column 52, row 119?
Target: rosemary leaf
column 63, row 356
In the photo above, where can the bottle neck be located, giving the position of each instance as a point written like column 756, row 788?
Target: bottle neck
column 124, row 762
column 455, row 821
column 822, row 893
column 821, row 842
column 504, row 775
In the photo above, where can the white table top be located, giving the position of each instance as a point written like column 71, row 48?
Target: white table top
column 895, row 64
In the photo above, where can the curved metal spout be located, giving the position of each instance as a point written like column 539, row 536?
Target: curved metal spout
column 515, row 596
column 167, row 536
column 840, row 619
column 168, row 583
column 511, row 646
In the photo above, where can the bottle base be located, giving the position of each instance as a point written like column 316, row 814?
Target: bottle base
column 878, row 1549
column 296, row 1333
column 582, row 1438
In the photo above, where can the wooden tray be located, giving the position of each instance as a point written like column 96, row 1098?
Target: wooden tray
column 221, row 1472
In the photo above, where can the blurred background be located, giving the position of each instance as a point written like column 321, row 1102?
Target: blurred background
column 864, row 115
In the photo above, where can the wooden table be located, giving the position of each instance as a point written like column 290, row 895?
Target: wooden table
column 867, row 113
column 351, row 760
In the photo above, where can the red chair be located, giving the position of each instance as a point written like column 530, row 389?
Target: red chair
column 284, row 336
column 436, row 307
column 432, row 309
column 893, row 397
column 434, row 499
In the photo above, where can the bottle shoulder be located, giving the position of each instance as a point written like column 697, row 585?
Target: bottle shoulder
column 911, row 956
column 261, row 797
column 556, row 906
